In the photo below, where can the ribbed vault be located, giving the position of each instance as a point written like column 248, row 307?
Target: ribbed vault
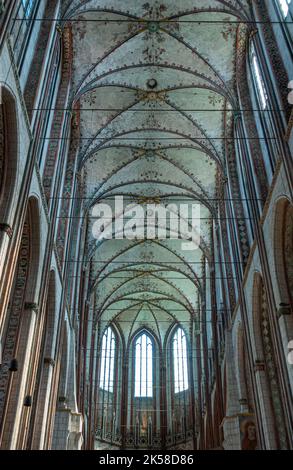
column 155, row 90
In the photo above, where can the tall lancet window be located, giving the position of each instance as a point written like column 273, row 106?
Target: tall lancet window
column 261, row 90
column 107, row 360
column 143, row 382
column 180, row 361
column 284, row 5
column 28, row 7
column 21, row 27
column 108, row 416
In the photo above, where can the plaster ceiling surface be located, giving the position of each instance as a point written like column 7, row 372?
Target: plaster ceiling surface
column 155, row 84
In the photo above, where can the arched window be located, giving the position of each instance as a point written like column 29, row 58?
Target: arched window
column 180, row 361
column 107, row 360
column 109, row 392
column 28, row 7
column 261, row 90
column 143, row 386
column 284, row 6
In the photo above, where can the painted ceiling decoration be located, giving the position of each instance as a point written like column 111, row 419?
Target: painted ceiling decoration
column 156, row 93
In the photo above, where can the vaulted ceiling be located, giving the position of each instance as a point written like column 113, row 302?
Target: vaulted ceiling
column 156, row 87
